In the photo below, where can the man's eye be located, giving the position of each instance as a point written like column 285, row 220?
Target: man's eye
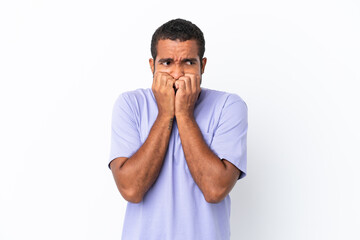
column 166, row 63
column 189, row 62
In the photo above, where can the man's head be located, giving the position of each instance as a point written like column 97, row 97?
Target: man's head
column 175, row 42
column 178, row 29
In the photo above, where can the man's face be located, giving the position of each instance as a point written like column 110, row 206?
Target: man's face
column 177, row 58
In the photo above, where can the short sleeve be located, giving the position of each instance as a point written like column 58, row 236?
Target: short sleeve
column 230, row 136
column 125, row 137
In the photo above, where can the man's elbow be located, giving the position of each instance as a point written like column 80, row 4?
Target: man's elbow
column 131, row 195
column 215, row 196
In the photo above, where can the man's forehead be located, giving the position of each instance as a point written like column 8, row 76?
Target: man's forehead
column 177, row 48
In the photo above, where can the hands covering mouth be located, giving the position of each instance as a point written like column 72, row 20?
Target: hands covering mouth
column 176, row 96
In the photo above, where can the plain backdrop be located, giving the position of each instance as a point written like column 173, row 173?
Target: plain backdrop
column 295, row 63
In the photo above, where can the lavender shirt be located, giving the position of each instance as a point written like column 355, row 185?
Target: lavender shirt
column 174, row 207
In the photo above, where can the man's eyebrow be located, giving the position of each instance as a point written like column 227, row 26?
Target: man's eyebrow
column 189, row 59
column 162, row 60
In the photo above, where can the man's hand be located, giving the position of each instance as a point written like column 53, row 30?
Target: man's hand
column 163, row 89
column 188, row 90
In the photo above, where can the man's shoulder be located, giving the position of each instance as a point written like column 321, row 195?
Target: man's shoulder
column 222, row 97
column 135, row 101
column 135, row 96
column 140, row 92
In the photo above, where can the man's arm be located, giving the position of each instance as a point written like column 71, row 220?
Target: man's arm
column 214, row 177
column 135, row 175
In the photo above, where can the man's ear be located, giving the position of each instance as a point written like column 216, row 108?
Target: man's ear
column 152, row 66
column 203, row 62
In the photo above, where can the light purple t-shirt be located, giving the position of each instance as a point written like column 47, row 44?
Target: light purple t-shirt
column 174, row 207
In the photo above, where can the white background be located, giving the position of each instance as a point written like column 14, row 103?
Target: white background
column 295, row 63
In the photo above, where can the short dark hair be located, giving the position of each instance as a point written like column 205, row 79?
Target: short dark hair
column 178, row 29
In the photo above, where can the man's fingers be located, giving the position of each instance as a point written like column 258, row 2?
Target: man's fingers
column 195, row 79
column 161, row 79
column 187, row 82
column 170, row 83
column 180, row 84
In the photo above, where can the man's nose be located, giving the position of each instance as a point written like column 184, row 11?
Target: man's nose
column 177, row 72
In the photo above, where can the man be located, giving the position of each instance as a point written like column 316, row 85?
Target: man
column 177, row 149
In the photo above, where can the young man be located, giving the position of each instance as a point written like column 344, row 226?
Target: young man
column 177, row 149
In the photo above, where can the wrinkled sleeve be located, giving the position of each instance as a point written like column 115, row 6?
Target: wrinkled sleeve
column 125, row 137
column 229, row 140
